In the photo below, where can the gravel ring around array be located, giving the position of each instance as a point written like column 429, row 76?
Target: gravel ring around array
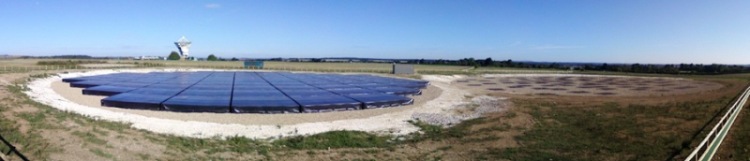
column 389, row 123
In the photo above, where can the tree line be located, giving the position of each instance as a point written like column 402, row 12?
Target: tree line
column 174, row 55
column 683, row 68
column 671, row 68
column 631, row 68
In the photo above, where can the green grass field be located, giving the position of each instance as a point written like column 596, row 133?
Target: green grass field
column 33, row 64
column 543, row 128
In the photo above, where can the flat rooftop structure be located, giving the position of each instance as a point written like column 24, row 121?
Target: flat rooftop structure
column 248, row 92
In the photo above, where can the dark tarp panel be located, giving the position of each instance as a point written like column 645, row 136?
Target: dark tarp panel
column 283, row 87
column 245, row 87
column 106, row 90
column 249, row 83
column 409, row 85
column 382, row 100
column 264, row 104
column 307, row 92
column 74, row 79
column 240, row 93
column 188, row 103
column 207, row 92
column 88, row 83
column 169, row 86
column 128, row 84
column 398, row 90
column 243, row 92
column 146, row 81
column 212, row 86
column 156, row 91
column 335, row 86
column 324, row 103
column 228, row 81
column 369, row 85
column 353, row 91
column 135, row 101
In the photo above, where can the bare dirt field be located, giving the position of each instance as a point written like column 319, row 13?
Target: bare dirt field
column 584, row 85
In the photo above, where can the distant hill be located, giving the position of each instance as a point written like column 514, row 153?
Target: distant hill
column 6, row 56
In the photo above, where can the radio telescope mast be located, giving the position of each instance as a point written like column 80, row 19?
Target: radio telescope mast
column 183, row 45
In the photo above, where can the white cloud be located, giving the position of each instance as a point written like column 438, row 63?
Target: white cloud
column 213, row 5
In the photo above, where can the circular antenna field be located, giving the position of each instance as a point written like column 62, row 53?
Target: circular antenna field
column 248, row 92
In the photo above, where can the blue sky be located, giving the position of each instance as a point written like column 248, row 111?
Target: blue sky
column 642, row 31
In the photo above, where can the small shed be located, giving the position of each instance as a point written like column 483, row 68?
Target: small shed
column 403, row 69
column 254, row 64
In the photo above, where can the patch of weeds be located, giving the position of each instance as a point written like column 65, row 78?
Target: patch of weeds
column 17, row 89
column 79, row 121
column 86, row 121
column 114, row 126
column 189, row 145
column 445, row 148
column 69, row 63
column 429, row 131
column 372, row 151
column 335, row 139
column 39, row 117
column 36, row 119
column 30, row 143
column 516, row 154
column 43, row 75
column 149, row 64
column 242, row 144
column 502, row 127
column 361, row 159
column 472, row 106
column 101, row 153
column 434, row 132
column 89, row 137
column 265, row 152
column 99, row 131
column 152, row 138
column 144, row 156
column 61, row 115
column 482, row 139
column 235, row 144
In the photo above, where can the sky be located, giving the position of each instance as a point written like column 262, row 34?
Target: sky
column 633, row 31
